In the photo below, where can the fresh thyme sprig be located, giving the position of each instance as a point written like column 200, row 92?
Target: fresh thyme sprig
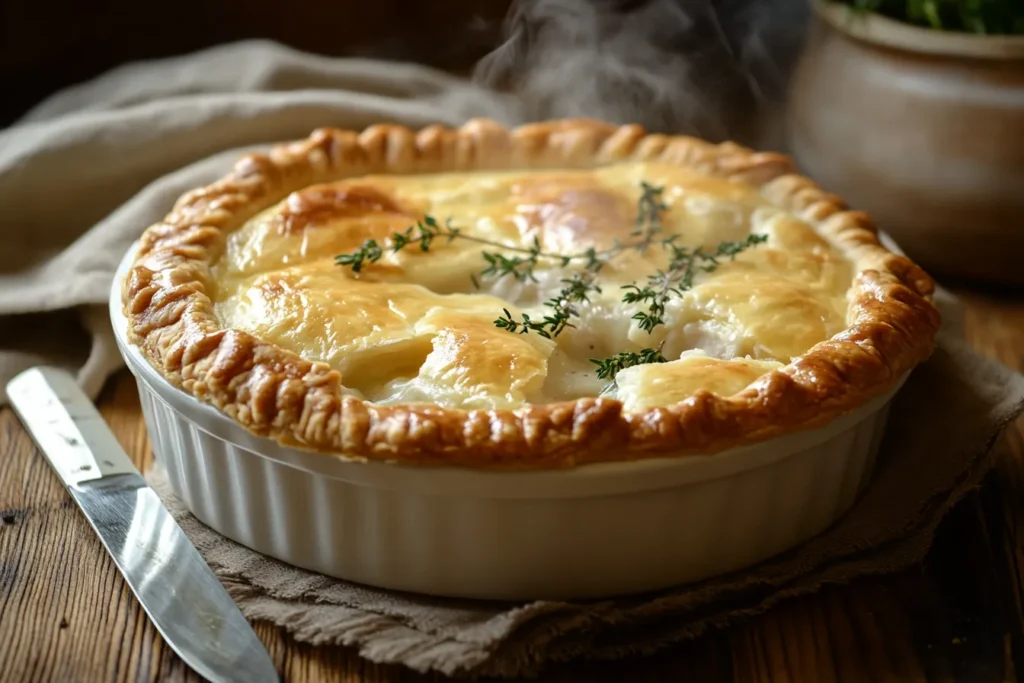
column 648, row 224
column 684, row 263
column 609, row 367
column 648, row 214
column 521, row 268
column 422, row 234
column 577, row 290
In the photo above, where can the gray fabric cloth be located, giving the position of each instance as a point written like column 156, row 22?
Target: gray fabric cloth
column 83, row 174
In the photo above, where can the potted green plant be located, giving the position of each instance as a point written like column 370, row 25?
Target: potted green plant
column 913, row 110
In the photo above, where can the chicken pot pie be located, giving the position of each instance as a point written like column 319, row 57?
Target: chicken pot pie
column 560, row 293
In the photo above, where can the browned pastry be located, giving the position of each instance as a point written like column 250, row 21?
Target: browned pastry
column 236, row 298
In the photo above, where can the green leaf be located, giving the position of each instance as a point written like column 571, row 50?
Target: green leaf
column 982, row 17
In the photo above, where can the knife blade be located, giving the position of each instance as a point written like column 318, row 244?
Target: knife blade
column 174, row 585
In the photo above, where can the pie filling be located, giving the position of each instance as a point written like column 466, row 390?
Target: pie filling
column 419, row 326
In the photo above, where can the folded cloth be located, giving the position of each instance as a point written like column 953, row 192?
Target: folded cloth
column 86, row 171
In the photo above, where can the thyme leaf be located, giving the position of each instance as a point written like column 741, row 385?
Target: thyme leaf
column 648, row 215
column 607, row 368
column 683, row 265
column 577, row 289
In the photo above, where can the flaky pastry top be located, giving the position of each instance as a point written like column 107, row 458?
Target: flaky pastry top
column 236, row 298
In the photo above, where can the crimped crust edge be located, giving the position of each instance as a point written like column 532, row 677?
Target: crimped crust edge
column 275, row 393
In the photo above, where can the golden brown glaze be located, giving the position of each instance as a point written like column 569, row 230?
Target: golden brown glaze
column 250, row 248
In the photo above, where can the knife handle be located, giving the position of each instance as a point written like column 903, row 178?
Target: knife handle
column 66, row 426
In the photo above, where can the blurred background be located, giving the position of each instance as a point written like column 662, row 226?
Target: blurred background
column 47, row 46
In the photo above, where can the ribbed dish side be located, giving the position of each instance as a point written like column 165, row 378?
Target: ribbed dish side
column 476, row 547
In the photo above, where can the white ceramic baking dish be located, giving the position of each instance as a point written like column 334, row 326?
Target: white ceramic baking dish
column 597, row 530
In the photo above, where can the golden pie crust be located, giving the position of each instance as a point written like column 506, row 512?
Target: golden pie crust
column 214, row 291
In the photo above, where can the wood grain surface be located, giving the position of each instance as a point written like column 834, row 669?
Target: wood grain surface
column 66, row 614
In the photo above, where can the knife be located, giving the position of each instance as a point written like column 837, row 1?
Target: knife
column 179, row 592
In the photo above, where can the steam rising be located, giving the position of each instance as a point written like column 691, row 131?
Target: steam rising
column 713, row 68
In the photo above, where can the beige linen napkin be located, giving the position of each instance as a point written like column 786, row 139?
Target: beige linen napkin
column 85, row 172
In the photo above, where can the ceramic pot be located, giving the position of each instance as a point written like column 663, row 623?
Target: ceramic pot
column 922, row 129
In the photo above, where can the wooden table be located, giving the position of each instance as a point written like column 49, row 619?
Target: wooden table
column 66, row 614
